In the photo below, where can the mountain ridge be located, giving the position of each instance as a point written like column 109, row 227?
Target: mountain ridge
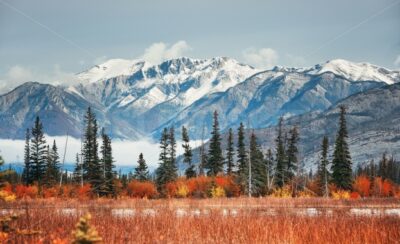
column 137, row 99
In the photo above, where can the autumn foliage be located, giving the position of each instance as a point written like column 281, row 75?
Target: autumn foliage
column 140, row 189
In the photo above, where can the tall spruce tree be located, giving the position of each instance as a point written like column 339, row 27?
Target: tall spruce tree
column 161, row 178
column 107, row 161
column 77, row 175
column 38, row 152
column 92, row 172
column 167, row 169
column 280, row 157
column 215, row 163
column 341, row 163
column 141, row 171
column 291, row 156
column 242, row 159
column 53, row 165
column 187, row 155
column 230, row 153
column 27, row 172
column 172, row 168
column 322, row 170
column 258, row 173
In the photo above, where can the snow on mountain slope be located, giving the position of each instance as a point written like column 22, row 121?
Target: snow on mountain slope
column 110, row 69
column 357, row 71
column 372, row 119
column 135, row 98
column 261, row 99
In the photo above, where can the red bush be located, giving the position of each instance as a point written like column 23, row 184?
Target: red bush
column 139, row 189
column 362, row 185
column 85, row 192
column 22, row 191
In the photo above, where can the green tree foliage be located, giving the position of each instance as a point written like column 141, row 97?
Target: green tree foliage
column 53, row 165
column 291, row 156
column 27, row 176
column 280, row 157
column 323, row 175
column 187, row 154
column 230, row 153
column 141, row 171
column 258, row 173
column 77, row 175
column 107, row 161
column 38, row 152
column 167, row 171
column 341, row 163
column 92, row 172
column 242, row 157
column 215, row 163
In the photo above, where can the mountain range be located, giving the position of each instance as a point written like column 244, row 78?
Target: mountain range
column 135, row 99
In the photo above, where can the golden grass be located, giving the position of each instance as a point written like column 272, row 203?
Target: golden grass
column 252, row 225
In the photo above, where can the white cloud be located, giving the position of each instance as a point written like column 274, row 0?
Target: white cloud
column 161, row 51
column 17, row 75
column 124, row 152
column 261, row 58
column 397, row 62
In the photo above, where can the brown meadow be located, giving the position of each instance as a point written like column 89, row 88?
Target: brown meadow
column 239, row 220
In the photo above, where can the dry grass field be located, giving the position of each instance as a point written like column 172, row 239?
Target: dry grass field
column 238, row 220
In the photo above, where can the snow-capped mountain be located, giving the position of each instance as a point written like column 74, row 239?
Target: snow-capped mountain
column 135, row 99
column 373, row 119
column 261, row 99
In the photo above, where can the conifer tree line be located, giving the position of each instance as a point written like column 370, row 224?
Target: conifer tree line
column 42, row 161
column 256, row 170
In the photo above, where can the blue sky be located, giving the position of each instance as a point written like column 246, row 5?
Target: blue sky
column 50, row 40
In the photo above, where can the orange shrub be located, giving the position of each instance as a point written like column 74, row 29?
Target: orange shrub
column 51, row 192
column 227, row 183
column 362, row 185
column 199, row 186
column 26, row 191
column 85, row 192
column 355, row 195
column 68, row 191
column 383, row 188
column 139, row 189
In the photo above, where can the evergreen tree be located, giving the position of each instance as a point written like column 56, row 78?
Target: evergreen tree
column 269, row 165
column 341, row 163
column 280, row 156
column 38, row 155
column 215, row 162
column 92, row 172
column 8, row 175
column 77, row 175
column 52, row 167
column 187, row 155
column 242, row 158
column 230, row 153
column 172, row 168
column 27, row 172
column 167, row 170
column 383, row 169
column 108, row 165
column 323, row 173
column 258, row 173
column 141, row 171
column 291, row 156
